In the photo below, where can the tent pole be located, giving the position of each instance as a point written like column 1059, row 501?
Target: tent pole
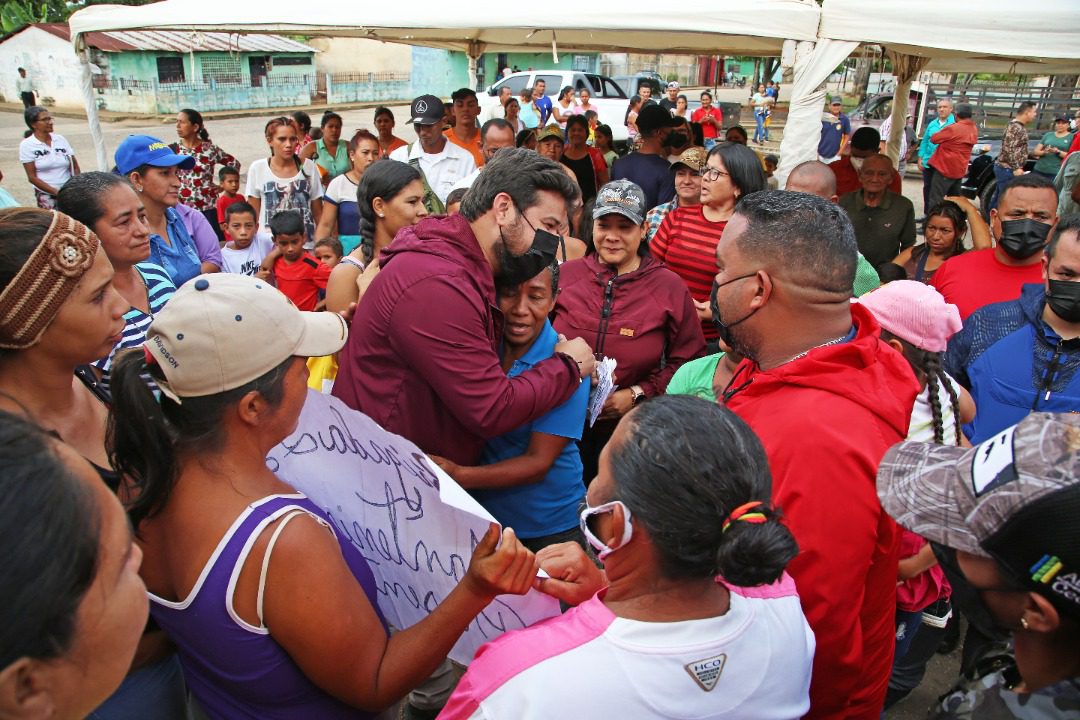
column 90, row 102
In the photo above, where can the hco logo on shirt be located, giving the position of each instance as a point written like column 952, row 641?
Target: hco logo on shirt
column 706, row 672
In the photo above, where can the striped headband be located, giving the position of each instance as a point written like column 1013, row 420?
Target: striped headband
column 35, row 295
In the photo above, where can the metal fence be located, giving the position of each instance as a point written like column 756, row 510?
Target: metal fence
column 389, row 76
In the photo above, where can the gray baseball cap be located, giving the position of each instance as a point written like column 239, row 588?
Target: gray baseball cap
column 1014, row 498
column 622, row 197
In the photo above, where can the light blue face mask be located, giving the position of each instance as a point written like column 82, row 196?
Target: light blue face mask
column 602, row 550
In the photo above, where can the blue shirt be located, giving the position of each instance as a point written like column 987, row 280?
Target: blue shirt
column 180, row 259
column 832, row 132
column 551, row 505
column 651, row 173
column 544, row 104
column 927, row 148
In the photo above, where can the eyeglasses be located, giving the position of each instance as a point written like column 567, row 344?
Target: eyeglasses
column 711, row 174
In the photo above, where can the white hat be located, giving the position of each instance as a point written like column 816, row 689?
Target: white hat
column 221, row 331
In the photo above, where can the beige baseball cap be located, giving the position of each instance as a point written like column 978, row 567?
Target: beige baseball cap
column 221, row 331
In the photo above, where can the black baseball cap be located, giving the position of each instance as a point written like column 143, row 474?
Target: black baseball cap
column 652, row 117
column 426, row 110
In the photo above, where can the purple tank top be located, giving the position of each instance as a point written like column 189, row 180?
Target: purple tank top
column 236, row 670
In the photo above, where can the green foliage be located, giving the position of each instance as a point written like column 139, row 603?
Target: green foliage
column 14, row 14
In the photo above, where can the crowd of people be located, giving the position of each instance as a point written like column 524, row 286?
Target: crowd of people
column 831, row 431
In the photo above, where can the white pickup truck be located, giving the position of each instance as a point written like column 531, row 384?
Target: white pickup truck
column 610, row 99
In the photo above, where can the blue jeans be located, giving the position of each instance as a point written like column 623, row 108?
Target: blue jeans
column 1002, row 175
column 759, row 132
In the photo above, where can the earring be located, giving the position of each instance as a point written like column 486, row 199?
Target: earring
column 1024, row 623
column 382, row 215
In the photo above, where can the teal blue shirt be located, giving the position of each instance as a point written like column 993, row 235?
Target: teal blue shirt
column 927, row 148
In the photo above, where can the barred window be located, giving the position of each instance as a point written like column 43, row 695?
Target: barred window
column 224, row 70
column 292, row 60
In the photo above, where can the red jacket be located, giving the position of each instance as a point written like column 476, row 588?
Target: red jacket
column 847, row 177
column 650, row 328
column 422, row 356
column 825, row 421
column 954, row 143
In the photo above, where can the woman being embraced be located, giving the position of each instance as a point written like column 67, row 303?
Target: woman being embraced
column 679, row 516
column 228, row 354
column 627, row 306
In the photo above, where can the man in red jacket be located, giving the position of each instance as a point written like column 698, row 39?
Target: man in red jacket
column 422, row 358
column 950, row 161
column 827, row 398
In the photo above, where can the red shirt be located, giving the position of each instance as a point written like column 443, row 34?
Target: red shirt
column 954, row 143
column 302, row 280
column 223, row 202
column 708, row 130
column 686, row 242
column 978, row 278
column 847, row 178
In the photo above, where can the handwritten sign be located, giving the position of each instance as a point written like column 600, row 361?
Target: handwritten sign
column 602, row 388
column 414, row 524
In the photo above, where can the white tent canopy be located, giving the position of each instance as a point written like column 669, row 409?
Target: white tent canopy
column 990, row 35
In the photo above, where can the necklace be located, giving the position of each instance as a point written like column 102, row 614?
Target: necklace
column 804, row 353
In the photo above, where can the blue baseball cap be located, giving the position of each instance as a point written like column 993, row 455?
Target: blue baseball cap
column 138, row 150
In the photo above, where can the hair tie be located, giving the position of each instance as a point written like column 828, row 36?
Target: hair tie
column 743, row 513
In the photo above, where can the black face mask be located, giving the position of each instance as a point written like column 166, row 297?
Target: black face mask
column 676, row 141
column 1021, row 239
column 966, row 598
column 516, row 269
column 722, row 328
column 1064, row 299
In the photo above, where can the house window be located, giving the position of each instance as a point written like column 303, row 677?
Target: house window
column 223, row 70
column 170, row 69
column 280, row 60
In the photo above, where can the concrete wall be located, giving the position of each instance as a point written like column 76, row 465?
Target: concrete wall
column 48, row 60
column 351, row 55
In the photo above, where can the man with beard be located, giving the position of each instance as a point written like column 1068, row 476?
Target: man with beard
column 1021, row 223
column 1028, row 346
column 422, row 359
column 827, row 398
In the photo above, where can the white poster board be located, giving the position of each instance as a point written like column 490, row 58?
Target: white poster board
column 414, row 524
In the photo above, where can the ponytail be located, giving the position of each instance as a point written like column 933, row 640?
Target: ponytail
column 195, row 117
column 148, row 441
column 935, row 373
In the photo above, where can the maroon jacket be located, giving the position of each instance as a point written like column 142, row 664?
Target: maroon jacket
column 650, row 327
column 954, row 143
column 422, row 357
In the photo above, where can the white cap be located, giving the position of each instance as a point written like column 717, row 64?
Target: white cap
column 221, row 331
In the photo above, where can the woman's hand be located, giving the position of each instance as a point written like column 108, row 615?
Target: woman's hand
column 704, row 311
column 572, row 575
column 509, row 569
column 618, row 404
column 448, row 466
column 965, row 204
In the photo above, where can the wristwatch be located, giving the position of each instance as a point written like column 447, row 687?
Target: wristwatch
column 636, row 394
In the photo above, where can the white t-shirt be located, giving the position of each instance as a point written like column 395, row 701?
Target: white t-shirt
column 246, row 261
column 276, row 193
column 751, row 663
column 921, row 428
column 442, row 170
column 53, row 162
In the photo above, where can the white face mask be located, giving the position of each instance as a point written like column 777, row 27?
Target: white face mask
column 856, row 162
column 602, row 550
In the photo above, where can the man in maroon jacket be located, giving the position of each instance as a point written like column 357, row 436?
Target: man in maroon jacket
column 422, row 357
column 950, row 161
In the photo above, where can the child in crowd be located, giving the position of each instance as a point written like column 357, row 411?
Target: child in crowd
column 917, row 322
column 453, row 200
column 605, row 143
column 328, row 251
column 244, row 252
column 593, row 119
column 771, row 163
column 296, row 272
column 229, row 179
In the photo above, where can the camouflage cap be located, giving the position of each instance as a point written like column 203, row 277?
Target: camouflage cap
column 1014, row 497
column 693, row 158
column 621, row 197
column 550, row 132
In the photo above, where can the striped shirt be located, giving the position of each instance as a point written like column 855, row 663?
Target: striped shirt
column 686, row 242
column 159, row 288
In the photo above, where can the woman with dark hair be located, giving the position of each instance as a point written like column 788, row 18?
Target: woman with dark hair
column 563, row 107
column 107, row 204
column 529, row 113
column 301, row 123
column 181, row 239
column 45, row 352
column 72, row 605
column 686, row 239
column 630, row 120
column 390, row 196
column 681, row 105
column 283, row 181
column 679, row 516
column 626, row 306
column 946, row 227
column 384, row 125
column 197, row 187
column 331, row 155
column 47, row 157
column 340, row 217
column 588, row 163
column 512, row 115
column 526, row 138
column 264, row 597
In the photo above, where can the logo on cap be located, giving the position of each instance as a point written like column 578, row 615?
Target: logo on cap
column 1045, row 570
column 421, row 106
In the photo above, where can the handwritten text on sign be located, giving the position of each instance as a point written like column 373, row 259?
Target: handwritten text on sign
column 414, row 524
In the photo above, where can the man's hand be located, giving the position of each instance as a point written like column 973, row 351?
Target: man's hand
column 704, row 311
column 617, row 404
column 448, row 466
column 573, row 577
column 580, row 351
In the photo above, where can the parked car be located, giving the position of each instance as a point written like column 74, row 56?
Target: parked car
column 631, row 83
column 980, row 181
column 607, row 95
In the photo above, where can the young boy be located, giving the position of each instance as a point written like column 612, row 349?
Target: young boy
column 229, row 177
column 593, row 120
column 453, row 200
column 328, row 251
column 245, row 250
column 296, row 272
column 771, row 163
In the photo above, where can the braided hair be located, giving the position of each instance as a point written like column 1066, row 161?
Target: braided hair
column 929, row 368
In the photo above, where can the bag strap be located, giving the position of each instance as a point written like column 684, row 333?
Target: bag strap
column 432, row 202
